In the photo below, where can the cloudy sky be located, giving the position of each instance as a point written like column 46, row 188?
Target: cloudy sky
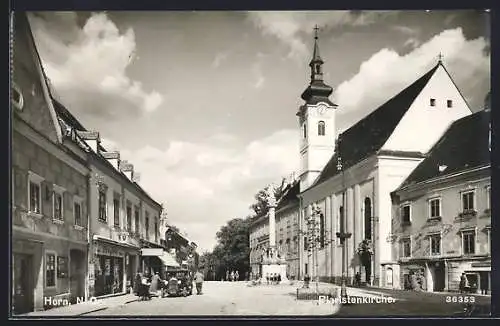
column 203, row 103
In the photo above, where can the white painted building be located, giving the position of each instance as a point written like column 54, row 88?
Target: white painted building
column 377, row 154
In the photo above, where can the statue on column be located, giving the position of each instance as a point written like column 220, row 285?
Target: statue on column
column 271, row 195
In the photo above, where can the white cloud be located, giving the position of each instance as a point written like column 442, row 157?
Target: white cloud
column 203, row 185
column 386, row 72
column 219, row 58
column 412, row 42
column 92, row 63
column 288, row 25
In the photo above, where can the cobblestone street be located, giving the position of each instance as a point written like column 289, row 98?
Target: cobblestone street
column 236, row 298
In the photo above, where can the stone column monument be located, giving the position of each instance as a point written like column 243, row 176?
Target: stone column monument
column 273, row 261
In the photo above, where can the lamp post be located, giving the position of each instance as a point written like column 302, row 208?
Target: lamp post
column 342, row 235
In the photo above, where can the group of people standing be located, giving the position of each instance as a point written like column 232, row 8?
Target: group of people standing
column 273, row 278
column 232, row 276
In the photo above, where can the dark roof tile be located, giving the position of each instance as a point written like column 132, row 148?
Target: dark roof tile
column 369, row 134
column 463, row 146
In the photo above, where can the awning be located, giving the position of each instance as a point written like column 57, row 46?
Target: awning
column 168, row 260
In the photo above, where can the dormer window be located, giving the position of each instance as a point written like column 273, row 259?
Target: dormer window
column 449, row 103
column 321, row 128
column 17, row 97
column 433, row 102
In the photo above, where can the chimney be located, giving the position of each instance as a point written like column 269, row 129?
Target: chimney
column 127, row 169
column 92, row 138
column 113, row 158
column 136, row 177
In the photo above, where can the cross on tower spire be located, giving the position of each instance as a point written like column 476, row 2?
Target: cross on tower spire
column 316, row 29
column 440, row 57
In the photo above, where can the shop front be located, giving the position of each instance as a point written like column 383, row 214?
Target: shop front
column 157, row 260
column 113, row 267
column 478, row 273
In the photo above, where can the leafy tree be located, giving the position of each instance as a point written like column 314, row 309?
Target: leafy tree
column 260, row 205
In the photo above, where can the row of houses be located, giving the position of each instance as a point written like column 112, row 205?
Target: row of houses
column 82, row 226
column 409, row 184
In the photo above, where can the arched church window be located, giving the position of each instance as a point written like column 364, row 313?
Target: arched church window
column 318, row 69
column 368, row 219
column 304, row 128
column 322, row 230
column 321, row 128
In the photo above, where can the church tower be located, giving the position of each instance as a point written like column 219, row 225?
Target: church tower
column 317, row 122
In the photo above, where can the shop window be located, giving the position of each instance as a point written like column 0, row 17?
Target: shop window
column 62, row 267
column 50, row 270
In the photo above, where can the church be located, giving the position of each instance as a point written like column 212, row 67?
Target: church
column 346, row 179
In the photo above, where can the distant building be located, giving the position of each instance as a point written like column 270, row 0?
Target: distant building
column 442, row 212
column 49, row 189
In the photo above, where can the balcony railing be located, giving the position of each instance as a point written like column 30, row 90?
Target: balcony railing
column 467, row 214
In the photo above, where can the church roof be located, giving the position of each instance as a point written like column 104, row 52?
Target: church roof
column 464, row 146
column 368, row 135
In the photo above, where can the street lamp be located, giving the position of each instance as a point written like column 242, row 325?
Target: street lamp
column 342, row 235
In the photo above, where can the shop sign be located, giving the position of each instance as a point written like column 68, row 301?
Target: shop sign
column 108, row 250
column 481, row 264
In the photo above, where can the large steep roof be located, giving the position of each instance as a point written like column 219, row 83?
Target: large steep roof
column 369, row 134
column 464, row 146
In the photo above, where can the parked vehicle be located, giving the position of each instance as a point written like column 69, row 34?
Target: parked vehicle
column 179, row 285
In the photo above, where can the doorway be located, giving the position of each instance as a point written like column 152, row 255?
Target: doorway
column 439, row 277
column 22, row 287
column 77, row 275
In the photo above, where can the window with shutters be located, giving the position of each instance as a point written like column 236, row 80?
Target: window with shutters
column 34, row 193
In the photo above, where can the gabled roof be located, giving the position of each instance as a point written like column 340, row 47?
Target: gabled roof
column 369, row 134
column 290, row 195
column 464, row 146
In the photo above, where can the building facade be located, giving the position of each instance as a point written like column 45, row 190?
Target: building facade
column 442, row 213
column 365, row 163
column 49, row 190
column 123, row 218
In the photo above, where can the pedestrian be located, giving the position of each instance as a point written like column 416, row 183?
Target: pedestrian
column 279, row 278
column 357, row 279
column 155, row 284
column 236, row 276
column 232, row 276
column 267, row 278
column 227, row 275
column 137, row 283
column 464, row 284
column 198, row 279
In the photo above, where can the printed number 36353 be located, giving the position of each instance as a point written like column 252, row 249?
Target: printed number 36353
column 460, row 299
